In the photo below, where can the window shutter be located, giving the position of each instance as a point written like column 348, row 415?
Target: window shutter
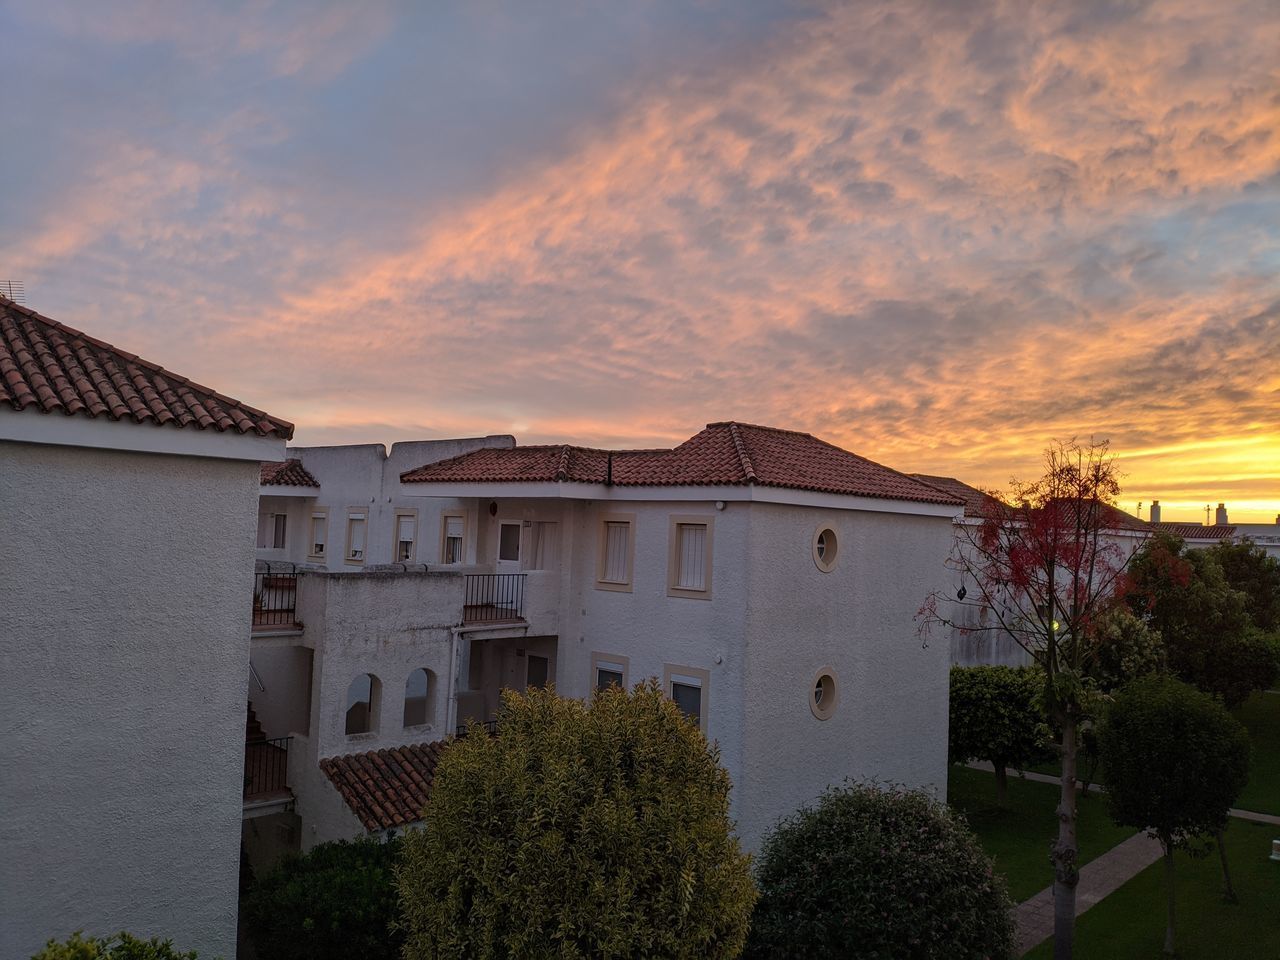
column 616, row 551
column 693, row 556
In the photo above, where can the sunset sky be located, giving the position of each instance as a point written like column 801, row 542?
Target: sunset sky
column 937, row 234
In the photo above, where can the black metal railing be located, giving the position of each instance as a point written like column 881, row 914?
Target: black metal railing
column 275, row 597
column 266, row 767
column 493, row 597
column 489, row 726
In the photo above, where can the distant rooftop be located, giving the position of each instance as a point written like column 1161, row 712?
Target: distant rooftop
column 386, row 788
column 48, row 367
column 287, row 473
column 1196, row 531
column 723, row 454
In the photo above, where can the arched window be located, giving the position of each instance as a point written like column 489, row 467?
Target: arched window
column 362, row 704
column 419, row 694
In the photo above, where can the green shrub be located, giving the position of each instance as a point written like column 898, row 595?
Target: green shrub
column 996, row 715
column 121, row 946
column 878, row 872
column 578, row 830
column 334, row 902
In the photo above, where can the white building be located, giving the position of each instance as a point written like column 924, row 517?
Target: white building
column 767, row 579
column 127, row 503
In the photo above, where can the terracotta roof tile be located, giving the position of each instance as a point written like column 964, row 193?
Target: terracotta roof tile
column 723, row 454
column 977, row 503
column 289, row 473
column 52, row 368
column 1196, row 531
column 386, row 788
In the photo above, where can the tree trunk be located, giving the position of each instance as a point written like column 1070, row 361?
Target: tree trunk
column 1168, row 882
column 1228, row 891
column 1065, row 874
column 1002, row 784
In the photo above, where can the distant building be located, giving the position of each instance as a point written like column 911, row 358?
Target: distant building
column 127, row 502
column 1196, row 535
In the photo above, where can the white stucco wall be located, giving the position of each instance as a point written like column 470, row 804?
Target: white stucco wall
column 125, row 580
column 323, row 813
column 284, row 706
column 891, row 720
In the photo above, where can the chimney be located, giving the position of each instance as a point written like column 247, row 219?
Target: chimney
column 1220, row 518
column 1155, row 511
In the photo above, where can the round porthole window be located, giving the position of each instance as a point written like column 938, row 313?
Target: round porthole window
column 824, row 694
column 825, row 549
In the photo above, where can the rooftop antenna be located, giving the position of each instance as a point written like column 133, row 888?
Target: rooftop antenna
column 13, row 290
column 1206, row 514
column 1139, row 509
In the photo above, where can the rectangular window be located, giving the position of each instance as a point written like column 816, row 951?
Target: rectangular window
column 689, row 558
column 452, row 529
column 319, row 534
column 271, row 529
column 538, row 671
column 544, row 545
column 616, row 553
column 609, row 669
column 509, row 541
column 357, row 524
column 687, row 687
column 406, row 535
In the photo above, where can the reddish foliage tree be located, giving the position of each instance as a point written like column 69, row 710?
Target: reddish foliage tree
column 1043, row 565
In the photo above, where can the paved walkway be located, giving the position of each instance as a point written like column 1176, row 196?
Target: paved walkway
column 1098, row 878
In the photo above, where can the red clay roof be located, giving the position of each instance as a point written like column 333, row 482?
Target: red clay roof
column 1196, row 531
column 52, row 368
column 723, row 454
column 386, row 788
column 976, row 502
column 287, row 473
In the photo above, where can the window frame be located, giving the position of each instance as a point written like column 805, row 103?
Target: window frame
column 351, row 515
column 601, row 660
column 602, row 539
column 412, row 514
column 679, row 673
column 830, row 697
column 445, row 517
column 673, row 555
column 321, row 514
column 826, row 562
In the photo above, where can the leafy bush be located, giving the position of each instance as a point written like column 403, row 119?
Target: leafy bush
column 996, row 716
column 578, row 830
column 878, row 872
column 121, row 946
column 334, row 902
column 1124, row 648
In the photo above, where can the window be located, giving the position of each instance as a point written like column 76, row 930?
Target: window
column 418, row 692
column 452, row 529
column 362, row 704
column 406, row 544
column 271, row 528
column 608, row 670
column 319, row 534
column 538, row 671
column 825, row 549
column 544, row 545
column 824, row 694
column 357, row 522
column 509, row 541
column 689, row 558
column 687, row 687
column 616, row 553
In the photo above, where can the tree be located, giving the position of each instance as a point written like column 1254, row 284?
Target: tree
column 578, row 830
column 1209, row 637
column 1044, row 564
column 1249, row 569
column 120, row 946
column 338, row 900
column 996, row 716
column 1174, row 762
column 875, row 871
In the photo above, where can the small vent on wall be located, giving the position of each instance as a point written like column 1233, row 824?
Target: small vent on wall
column 13, row 290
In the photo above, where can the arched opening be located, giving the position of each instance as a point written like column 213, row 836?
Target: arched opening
column 419, row 697
column 362, row 704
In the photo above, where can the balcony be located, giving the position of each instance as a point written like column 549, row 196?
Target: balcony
column 275, row 599
column 266, row 776
column 493, row 598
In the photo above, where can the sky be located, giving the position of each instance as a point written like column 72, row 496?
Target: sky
column 938, row 234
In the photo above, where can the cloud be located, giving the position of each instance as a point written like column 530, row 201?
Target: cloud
column 940, row 235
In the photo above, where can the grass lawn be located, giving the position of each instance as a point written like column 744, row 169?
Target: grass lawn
column 1261, row 714
column 1129, row 924
column 1018, row 838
